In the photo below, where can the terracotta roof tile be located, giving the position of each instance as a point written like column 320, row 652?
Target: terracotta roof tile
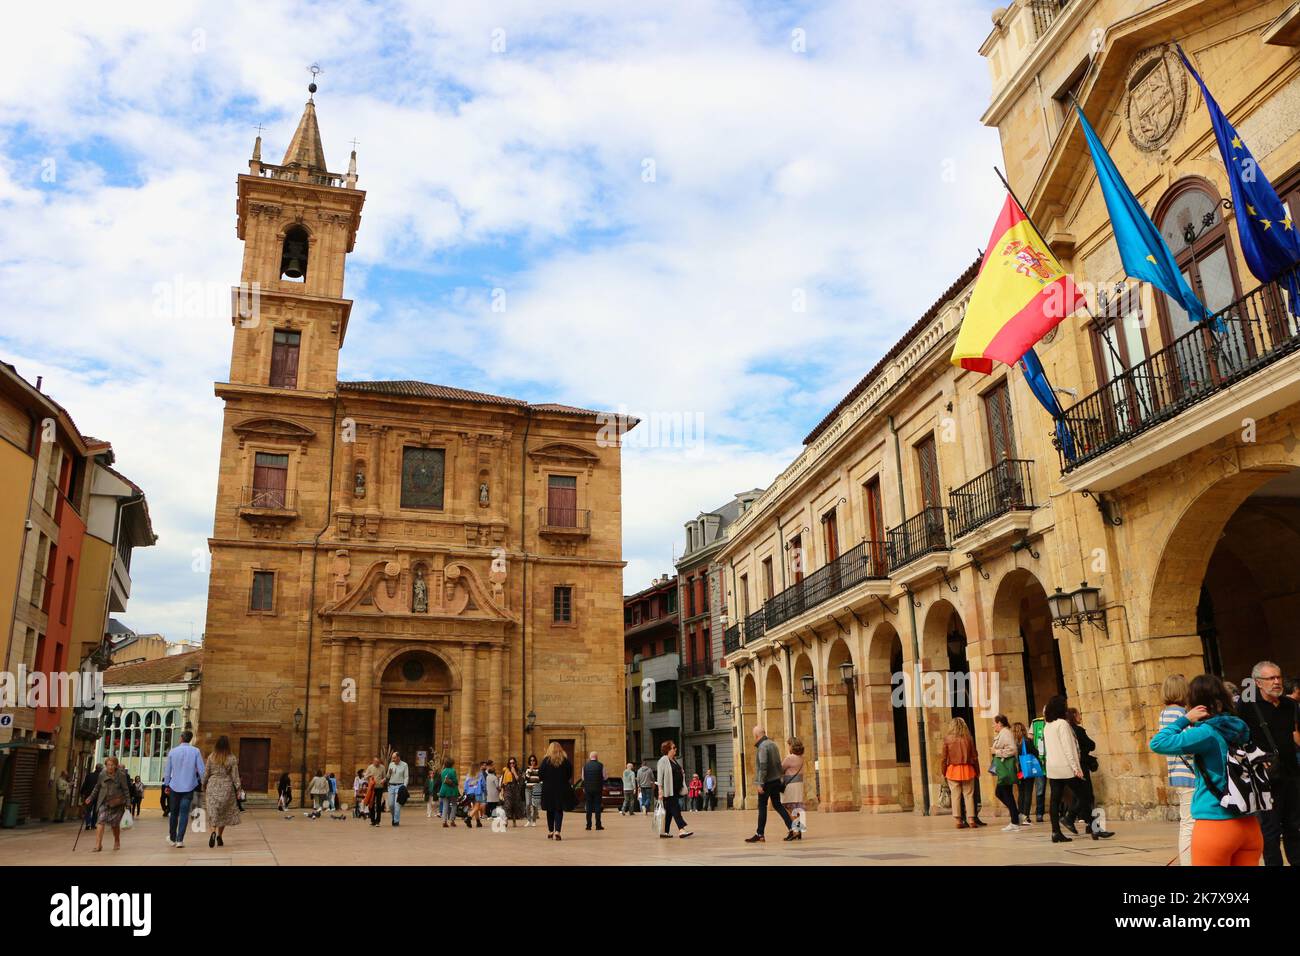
column 164, row 670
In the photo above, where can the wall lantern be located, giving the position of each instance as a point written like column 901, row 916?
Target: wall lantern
column 531, row 721
column 1069, row 611
column 297, row 719
column 808, row 684
column 846, row 672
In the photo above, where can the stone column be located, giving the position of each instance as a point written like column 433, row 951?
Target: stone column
column 334, row 710
column 367, row 703
column 468, row 694
column 495, row 742
column 348, row 731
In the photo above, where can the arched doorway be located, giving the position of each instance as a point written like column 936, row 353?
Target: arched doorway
column 1250, row 593
column 840, row 783
column 744, row 738
column 805, row 726
column 944, row 690
column 774, row 705
column 1030, row 670
column 415, row 710
column 889, row 752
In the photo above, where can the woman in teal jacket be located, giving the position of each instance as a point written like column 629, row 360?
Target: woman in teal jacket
column 1219, row 836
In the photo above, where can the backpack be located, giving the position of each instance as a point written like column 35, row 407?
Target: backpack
column 1249, row 790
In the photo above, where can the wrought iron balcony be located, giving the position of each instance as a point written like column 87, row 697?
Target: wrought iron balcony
column 755, row 625
column 865, row 562
column 1249, row 335
column 731, row 641
column 1003, row 488
column 919, row 535
column 564, row 521
column 695, row 669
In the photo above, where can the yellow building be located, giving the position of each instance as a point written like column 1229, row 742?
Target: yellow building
column 395, row 564
column 930, row 520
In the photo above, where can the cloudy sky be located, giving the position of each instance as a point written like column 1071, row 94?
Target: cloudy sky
column 717, row 210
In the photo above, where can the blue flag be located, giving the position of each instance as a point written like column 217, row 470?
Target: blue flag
column 1042, row 389
column 1142, row 249
column 1268, row 237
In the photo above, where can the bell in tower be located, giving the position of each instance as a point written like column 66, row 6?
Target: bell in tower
column 293, row 257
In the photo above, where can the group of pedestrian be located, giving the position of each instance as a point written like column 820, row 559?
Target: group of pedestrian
column 1053, row 765
column 1232, row 760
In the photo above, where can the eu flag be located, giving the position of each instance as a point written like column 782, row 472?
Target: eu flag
column 1268, row 237
column 1142, row 249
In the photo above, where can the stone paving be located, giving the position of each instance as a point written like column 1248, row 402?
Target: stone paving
column 266, row 838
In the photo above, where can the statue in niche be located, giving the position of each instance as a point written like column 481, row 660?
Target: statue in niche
column 483, row 496
column 359, row 489
column 420, row 598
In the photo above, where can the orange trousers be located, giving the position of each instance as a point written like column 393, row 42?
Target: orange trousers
column 1237, row 842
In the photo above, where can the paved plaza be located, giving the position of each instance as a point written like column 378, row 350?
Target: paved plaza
column 266, row 838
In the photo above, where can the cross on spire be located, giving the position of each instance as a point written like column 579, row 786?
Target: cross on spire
column 355, row 144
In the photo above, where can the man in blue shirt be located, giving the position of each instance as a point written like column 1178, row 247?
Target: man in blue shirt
column 182, row 776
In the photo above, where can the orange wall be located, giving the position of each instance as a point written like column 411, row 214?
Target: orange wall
column 54, row 653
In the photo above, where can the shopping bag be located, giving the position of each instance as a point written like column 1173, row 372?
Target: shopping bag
column 128, row 821
column 657, row 818
column 1030, row 766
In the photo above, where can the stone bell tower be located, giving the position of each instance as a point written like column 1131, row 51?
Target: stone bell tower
column 298, row 222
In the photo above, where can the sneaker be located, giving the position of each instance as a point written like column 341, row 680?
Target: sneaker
column 685, row 833
column 171, row 842
column 1011, row 828
column 180, row 846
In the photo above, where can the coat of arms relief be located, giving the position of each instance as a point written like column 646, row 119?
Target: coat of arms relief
column 1155, row 98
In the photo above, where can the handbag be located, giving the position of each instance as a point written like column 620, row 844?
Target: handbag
column 945, row 795
column 1030, row 766
column 1005, row 768
column 403, row 795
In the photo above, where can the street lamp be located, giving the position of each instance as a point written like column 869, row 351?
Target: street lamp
column 297, row 719
column 808, row 684
column 1069, row 611
column 846, row 672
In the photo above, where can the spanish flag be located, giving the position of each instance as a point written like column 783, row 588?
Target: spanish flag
column 1022, row 293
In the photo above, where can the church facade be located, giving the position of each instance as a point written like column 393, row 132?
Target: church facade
column 395, row 565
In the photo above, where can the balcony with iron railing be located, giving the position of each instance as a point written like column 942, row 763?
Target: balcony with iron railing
column 1004, row 488
column 755, row 626
column 731, row 640
column 1238, row 342
column 695, row 669
column 867, row 561
column 919, row 535
column 564, row 522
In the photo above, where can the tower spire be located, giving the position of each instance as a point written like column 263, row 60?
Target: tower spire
column 305, row 149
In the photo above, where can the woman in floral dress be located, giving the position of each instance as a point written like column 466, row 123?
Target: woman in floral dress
column 111, row 798
column 221, row 787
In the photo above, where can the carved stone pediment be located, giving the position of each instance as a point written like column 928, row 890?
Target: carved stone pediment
column 563, row 453
column 450, row 591
column 274, row 429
